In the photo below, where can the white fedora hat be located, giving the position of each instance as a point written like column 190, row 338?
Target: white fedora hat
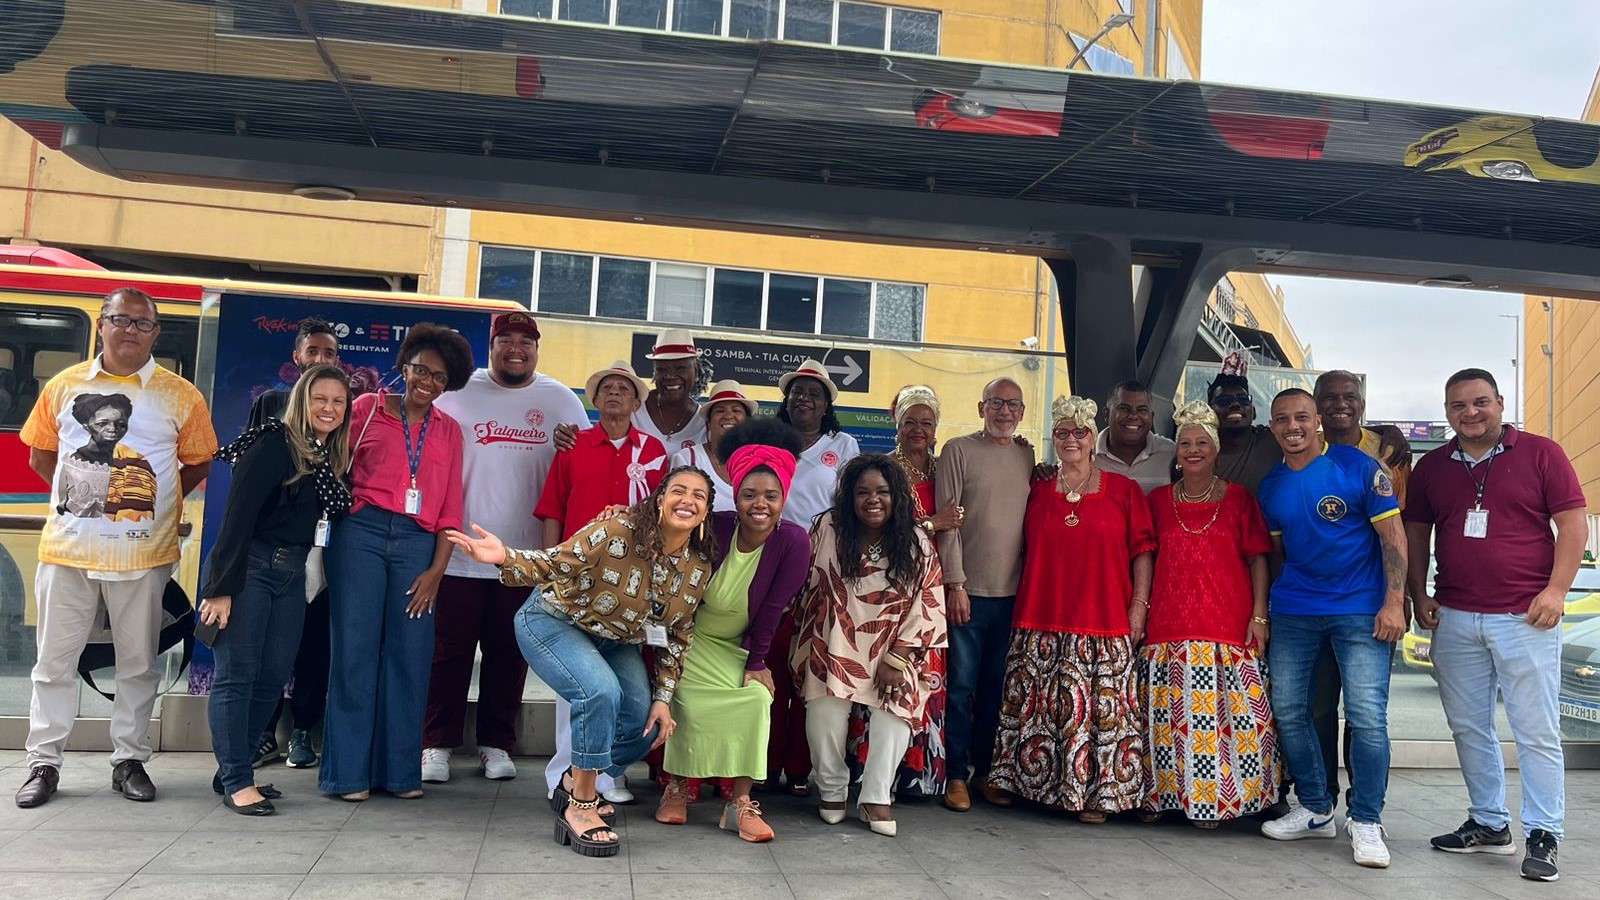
column 674, row 343
column 728, row 389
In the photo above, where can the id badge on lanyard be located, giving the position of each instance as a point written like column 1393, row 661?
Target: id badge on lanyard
column 1477, row 523
column 413, row 458
column 413, row 500
column 655, row 635
column 320, row 539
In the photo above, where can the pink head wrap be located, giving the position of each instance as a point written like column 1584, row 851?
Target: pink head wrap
column 750, row 456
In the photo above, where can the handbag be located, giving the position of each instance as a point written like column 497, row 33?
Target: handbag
column 177, row 627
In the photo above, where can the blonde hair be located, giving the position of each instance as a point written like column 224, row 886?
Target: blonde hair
column 303, row 446
column 1080, row 411
column 1196, row 414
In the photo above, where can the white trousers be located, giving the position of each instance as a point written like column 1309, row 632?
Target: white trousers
column 828, row 729
column 562, row 760
column 69, row 603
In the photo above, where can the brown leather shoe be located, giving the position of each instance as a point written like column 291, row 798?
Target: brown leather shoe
column 994, row 796
column 41, row 783
column 130, row 778
column 956, row 796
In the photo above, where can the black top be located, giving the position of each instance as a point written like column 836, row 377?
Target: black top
column 271, row 404
column 261, row 506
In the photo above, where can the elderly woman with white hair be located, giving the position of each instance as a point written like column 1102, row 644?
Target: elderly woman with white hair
column 1070, row 722
column 1210, row 746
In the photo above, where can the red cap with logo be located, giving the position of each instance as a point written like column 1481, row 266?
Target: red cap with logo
column 514, row 321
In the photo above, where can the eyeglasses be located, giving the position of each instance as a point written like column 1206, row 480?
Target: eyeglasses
column 1226, row 400
column 995, row 404
column 1062, row 434
column 143, row 326
column 418, row 370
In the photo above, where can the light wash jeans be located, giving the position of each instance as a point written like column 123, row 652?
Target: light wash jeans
column 1472, row 654
column 1297, row 641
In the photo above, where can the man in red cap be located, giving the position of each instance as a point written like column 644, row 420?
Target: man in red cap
column 508, row 413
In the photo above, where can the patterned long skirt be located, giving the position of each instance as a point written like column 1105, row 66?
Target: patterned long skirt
column 1070, row 722
column 922, row 772
column 1211, row 748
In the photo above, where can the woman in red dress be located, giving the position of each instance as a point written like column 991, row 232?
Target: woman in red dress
column 1211, row 751
column 1070, row 721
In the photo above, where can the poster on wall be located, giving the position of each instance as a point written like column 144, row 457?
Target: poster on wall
column 256, row 334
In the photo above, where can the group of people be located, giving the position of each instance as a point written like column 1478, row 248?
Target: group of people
column 1147, row 625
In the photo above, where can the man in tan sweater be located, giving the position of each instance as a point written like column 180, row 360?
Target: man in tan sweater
column 987, row 475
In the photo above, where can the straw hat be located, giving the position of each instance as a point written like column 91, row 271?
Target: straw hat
column 728, row 389
column 620, row 367
column 674, row 343
column 811, row 369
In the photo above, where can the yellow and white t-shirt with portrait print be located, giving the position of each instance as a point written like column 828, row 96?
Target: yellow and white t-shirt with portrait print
column 115, row 497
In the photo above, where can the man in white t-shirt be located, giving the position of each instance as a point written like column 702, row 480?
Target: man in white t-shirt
column 508, row 413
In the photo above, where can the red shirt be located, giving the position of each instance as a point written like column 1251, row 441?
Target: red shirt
column 380, row 472
column 1202, row 587
column 1525, row 484
column 1079, row 578
column 596, row 473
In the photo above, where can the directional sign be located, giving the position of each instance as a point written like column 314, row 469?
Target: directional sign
column 757, row 364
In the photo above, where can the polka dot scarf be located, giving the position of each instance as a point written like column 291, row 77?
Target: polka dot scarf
column 331, row 490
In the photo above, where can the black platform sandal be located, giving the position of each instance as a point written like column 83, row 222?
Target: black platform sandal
column 585, row 843
column 560, row 797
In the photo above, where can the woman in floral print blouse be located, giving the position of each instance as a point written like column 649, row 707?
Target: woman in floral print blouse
column 871, row 610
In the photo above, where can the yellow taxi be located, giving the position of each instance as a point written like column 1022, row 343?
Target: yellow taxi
column 1511, row 148
column 1583, row 603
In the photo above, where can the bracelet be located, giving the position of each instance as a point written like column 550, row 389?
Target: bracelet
column 897, row 662
column 1260, row 620
column 926, row 525
column 1142, row 602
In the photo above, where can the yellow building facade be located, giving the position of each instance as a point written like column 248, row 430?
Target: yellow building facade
column 906, row 302
column 1561, row 369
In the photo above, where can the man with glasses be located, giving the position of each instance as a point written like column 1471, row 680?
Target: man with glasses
column 985, row 475
column 1248, row 451
column 103, row 552
column 1129, row 444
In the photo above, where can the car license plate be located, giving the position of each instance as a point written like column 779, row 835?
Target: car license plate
column 1424, row 652
column 1577, row 709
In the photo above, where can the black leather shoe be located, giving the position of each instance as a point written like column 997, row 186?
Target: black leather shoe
column 130, row 778
column 260, row 808
column 41, row 783
column 267, row 790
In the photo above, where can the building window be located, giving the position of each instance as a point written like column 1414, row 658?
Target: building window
column 1177, row 66
column 1101, row 59
column 578, row 284
column 846, row 23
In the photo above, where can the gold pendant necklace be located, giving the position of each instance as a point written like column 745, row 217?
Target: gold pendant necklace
column 875, row 552
column 1203, row 498
column 1075, row 496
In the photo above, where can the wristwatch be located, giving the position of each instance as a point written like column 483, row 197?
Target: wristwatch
column 926, row 525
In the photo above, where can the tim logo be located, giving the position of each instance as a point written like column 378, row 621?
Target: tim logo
column 380, row 333
column 496, row 433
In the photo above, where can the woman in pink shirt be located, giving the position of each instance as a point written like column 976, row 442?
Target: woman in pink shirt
column 384, row 563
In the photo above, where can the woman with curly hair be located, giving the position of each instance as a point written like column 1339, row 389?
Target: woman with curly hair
column 1211, row 747
column 1069, row 734
column 384, row 563
column 871, row 610
column 636, row 578
column 723, row 704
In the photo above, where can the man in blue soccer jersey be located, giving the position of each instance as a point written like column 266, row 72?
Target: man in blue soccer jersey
column 1335, row 522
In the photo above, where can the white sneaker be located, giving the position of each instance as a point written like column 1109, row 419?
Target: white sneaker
column 497, row 764
column 619, row 795
column 1366, row 839
column 1300, row 823
column 435, row 765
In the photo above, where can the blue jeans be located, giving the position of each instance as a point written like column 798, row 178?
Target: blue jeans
column 605, row 682
column 1364, row 667
column 974, row 683
column 381, row 658
column 254, row 656
column 1474, row 652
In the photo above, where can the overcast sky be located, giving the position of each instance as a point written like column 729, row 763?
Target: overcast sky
column 1481, row 54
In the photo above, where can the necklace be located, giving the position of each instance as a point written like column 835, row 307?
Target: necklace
column 1177, row 511
column 1198, row 498
column 682, row 420
column 916, row 474
column 875, row 552
column 1075, row 496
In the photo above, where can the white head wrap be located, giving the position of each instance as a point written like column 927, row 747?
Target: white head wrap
column 1197, row 414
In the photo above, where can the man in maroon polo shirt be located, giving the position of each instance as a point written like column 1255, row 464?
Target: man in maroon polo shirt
column 1487, row 499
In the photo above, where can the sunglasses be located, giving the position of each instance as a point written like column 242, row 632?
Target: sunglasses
column 1226, row 400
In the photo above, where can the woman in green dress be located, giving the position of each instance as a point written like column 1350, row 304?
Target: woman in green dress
column 724, row 697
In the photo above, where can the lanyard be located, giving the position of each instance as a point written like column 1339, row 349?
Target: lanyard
column 1472, row 472
column 414, row 458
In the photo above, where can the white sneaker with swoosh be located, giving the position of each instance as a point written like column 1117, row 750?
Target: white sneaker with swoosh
column 1299, row 824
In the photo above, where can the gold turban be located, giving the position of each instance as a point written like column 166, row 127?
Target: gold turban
column 1080, row 411
column 1198, row 414
column 914, row 395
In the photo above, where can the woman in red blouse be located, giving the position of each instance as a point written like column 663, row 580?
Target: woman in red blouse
column 384, row 564
column 1211, row 751
column 1069, row 733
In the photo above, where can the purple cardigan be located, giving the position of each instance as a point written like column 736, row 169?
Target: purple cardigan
column 785, row 561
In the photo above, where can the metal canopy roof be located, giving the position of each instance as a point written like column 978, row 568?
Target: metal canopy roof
column 407, row 105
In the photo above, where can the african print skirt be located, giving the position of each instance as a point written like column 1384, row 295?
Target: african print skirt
column 1070, row 724
column 1211, row 748
column 922, row 773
